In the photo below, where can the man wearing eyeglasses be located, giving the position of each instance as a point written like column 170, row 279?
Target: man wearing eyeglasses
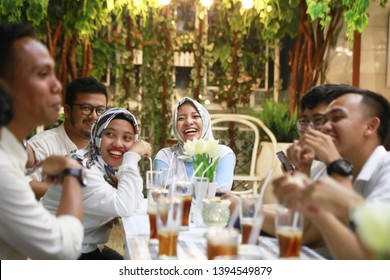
column 85, row 101
column 314, row 106
column 356, row 124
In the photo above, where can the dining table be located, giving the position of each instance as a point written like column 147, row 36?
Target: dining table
column 192, row 243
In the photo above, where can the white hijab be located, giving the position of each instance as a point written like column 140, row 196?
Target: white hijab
column 207, row 134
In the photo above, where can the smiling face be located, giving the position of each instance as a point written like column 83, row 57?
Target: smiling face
column 189, row 123
column 314, row 116
column 117, row 139
column 346, row 124
column 81, row 124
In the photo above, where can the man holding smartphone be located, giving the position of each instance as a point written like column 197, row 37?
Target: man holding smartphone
column 303, row 157
column 356, row 124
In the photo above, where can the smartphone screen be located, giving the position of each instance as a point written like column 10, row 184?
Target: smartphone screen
column 288, row 167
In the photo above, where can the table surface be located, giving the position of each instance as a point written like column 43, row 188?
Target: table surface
column 192, row 243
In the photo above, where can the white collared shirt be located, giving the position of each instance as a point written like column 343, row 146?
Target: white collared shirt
column 27, row 229
column 51, row 142
column 102, row 202
column 373, row 181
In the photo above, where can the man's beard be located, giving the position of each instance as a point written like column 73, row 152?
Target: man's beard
column 85, row 134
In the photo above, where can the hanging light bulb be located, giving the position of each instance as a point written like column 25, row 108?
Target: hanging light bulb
column 164, row 2
column 206, row 3
column 247, row 4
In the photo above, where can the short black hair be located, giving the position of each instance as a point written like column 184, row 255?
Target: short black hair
column 324, row 94
column 9, row 33
column 6, row 112
column 84, row 85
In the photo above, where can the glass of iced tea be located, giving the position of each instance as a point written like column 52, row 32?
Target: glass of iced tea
column 169, row 219
column 185, row 190
column 251, row 218
column 221, row 242
column 154, row 195
column 289, row 227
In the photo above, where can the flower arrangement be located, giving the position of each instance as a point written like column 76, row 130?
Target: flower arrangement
column 206, row 152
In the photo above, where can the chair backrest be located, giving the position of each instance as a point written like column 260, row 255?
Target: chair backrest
column 251, row 125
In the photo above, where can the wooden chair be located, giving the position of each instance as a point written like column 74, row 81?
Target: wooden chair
column 243, row 134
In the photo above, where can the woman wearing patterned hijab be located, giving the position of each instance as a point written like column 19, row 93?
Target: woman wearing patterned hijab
column 192, row 121
column 114, row 187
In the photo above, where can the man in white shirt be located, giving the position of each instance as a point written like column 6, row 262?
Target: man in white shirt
column 85, row 100
column 27, row 229
column 357, row 124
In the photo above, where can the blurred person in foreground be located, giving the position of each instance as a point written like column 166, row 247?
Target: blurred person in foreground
column 365, row 235
column 27, row 229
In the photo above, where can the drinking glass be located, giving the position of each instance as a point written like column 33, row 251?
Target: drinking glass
column 289, row 227
column 221, row 242
column 251, row 218
column 185, row 190
column 215, row 211
column 201, row 185
column 169, row 218
column 154, row 195
column 154, row 179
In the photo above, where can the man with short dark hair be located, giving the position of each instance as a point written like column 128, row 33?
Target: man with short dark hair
column 85, row 100
column 27, row 229
column 357, row 124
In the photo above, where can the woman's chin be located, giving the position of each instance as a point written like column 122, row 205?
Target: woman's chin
column 190, row 138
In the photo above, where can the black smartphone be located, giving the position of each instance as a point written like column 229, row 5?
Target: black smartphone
column 288, row 167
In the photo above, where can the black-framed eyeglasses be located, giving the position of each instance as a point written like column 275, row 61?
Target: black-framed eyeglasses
column 87, row 109
column 317, row 121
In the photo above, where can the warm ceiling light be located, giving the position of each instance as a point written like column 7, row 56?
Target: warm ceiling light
column 247, row 4
column 164, row 2
column 206, row 3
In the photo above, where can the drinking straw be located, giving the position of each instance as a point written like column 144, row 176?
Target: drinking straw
column 295, row 220
column 196, row 171
column 208, row 167
column 265, row 184
column 255, row 229
column 171, row 195
column 169, row 170
column 234, row 217
column 151, row 164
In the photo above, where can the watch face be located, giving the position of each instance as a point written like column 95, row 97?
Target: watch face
column 78, row 173
column 346, row 166
column 341, row 167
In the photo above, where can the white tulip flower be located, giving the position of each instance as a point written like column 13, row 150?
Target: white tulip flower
column 189, row 148
column 213, row 148
column 200, row 146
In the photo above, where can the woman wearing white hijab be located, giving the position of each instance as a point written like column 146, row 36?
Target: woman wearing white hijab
column 192, row 121
column 114, row 185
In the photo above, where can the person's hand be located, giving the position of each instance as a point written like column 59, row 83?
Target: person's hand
column 328, row 194
column 301, row 156
column 322, row 145
column 53, row 166
column 289, row 189
column 142, row 148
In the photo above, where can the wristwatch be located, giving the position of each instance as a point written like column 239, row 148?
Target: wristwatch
column 340, row 166
column 78, row 173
